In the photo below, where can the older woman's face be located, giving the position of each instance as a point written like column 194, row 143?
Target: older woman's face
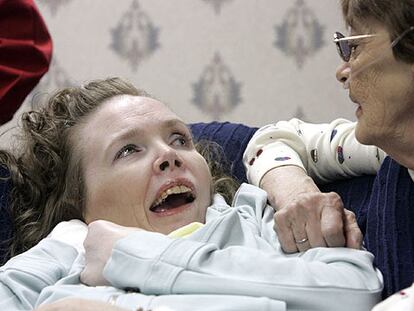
column 381, row 86
column 140, row 166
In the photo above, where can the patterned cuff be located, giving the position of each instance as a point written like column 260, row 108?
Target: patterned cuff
column 269, row 157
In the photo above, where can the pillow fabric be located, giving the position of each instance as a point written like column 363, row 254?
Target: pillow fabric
column 232, row 137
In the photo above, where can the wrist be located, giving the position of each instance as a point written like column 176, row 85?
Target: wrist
column 283, row 184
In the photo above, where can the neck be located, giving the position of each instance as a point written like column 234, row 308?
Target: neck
column 401, row 147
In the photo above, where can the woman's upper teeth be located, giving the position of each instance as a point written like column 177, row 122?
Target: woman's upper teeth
column 169, row 191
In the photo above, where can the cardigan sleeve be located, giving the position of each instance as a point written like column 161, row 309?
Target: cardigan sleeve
column 23, row 277
column 25, row 53
column 330, row 278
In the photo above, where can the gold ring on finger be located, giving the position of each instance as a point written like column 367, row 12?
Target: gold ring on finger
column 304, row 240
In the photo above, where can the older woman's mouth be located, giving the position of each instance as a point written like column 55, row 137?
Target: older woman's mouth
column 352, row 98
column 358, row 111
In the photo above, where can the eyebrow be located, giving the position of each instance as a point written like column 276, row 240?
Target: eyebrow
column 130, row 133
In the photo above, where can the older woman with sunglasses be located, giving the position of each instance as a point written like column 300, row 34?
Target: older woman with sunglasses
column 378, row 72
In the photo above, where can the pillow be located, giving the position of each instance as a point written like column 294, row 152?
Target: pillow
column 232, row 137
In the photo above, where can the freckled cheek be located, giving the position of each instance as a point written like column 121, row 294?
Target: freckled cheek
column 361, row 78
column 357, row 89
column 364, row 86
column 206, row 178
column 113, row 200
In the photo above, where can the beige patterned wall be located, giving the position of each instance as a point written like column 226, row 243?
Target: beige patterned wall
column 250, row 61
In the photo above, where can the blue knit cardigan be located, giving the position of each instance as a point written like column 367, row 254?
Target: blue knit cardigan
column 383, row 204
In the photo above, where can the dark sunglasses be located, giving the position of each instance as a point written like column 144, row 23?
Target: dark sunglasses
column 343, row 46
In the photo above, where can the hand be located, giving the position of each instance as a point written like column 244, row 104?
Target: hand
column 305, row 217
column 100, row 240
column 316, row 220
column 77, row 304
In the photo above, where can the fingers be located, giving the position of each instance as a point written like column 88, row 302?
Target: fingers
column 290, row 225
column 316, row 220
column 307, row 231
column 300, row 230
column 352, row 232
column 296, row 223
column 332, row 217
column 284, row 233
column 313, row 231
column 301, row 238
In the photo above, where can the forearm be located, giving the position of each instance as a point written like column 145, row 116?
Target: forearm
column 285, row 183
column 165, row 266
column 326, row 151
column 206, row 302
column 110, row 298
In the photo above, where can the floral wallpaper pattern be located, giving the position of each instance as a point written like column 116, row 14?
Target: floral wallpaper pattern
column 299, row 35
column 216, row 4
column 217, row 91
column 135, row 37
column 54, row 5
column 253, row 62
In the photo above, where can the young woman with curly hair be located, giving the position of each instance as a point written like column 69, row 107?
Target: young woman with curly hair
column 110, row 182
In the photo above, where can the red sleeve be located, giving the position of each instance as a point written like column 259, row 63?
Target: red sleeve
column 25, row 53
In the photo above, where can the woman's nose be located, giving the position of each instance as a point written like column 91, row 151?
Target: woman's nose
column 167, row 160
column 343, row 72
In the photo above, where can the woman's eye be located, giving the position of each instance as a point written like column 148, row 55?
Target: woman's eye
column 354, row 52
column 181, row 140
column 126, row 151
column 353, row 47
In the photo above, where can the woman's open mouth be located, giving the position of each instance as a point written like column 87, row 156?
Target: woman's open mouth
column 173, row 200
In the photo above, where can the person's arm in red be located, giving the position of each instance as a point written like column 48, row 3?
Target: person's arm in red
column 25, row 53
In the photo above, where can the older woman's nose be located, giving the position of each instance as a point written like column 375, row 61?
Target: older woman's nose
column 343, row 73
column 167, row 160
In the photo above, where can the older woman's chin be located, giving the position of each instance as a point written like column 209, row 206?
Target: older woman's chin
column 370, row 135
column 363, row 133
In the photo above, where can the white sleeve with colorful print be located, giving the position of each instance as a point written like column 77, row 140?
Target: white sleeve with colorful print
column 401, row 301
column 327, row 152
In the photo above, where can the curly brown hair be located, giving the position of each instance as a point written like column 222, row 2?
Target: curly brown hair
column 396, row 16
column 46, row 174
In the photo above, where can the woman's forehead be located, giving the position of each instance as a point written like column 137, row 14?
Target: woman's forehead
column 123, row 108
column 123, row 112
column 136, row 103
column 122, row 118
